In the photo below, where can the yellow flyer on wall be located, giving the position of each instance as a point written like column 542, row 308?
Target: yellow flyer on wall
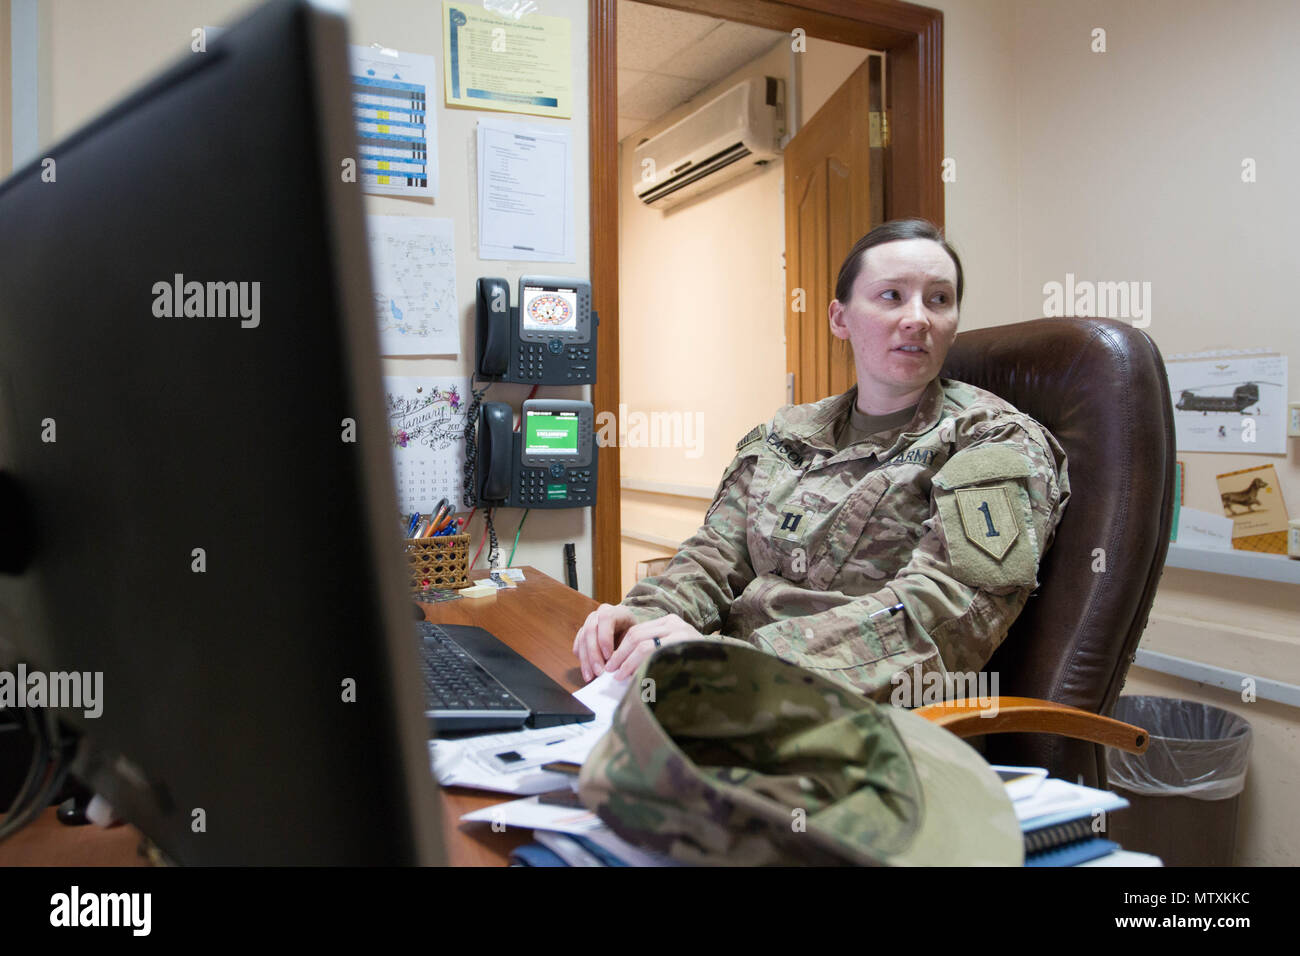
column 516, row 64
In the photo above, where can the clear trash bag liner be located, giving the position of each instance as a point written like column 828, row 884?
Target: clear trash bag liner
column 1196, row 750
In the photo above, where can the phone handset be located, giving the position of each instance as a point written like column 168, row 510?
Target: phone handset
column 493, row 327
column 495, row 452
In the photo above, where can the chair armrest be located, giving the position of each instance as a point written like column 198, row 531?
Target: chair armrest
column 1011, row 715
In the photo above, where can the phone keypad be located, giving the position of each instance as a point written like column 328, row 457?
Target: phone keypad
column 577, row 360
column 535, row 483
column 530, row 360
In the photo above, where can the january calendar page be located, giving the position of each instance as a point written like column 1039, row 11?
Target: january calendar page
column 426, row 424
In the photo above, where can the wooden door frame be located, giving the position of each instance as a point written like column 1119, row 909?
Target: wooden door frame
column 912, row 39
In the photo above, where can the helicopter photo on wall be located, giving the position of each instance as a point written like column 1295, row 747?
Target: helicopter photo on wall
column 1229, row 402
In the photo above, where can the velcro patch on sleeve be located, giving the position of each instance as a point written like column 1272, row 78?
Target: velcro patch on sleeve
column 983, row 463
column 985, row 530
column 757, row 433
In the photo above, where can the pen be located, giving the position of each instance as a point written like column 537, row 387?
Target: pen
column 885, row 610
column 410, row 528
column 449, row 521
column 439, row 515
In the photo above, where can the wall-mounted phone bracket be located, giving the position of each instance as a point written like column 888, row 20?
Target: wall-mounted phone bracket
column 547, row 338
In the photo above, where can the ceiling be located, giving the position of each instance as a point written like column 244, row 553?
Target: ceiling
column 665, row 57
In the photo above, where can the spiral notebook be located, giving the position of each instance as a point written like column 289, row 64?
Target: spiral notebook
column 1073, row 854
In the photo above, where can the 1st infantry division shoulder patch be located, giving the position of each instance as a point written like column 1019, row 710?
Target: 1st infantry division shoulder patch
column 988, row 519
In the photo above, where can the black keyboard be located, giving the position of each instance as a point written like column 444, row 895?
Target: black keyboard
column 459, row 693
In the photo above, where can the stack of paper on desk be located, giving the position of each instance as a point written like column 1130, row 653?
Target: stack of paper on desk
column 468, row 762
column 1059, row 801
column 577, row 822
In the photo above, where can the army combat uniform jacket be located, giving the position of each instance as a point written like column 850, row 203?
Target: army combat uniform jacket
column 805, row 547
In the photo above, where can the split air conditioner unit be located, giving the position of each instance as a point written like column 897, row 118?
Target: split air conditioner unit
column 726, row 137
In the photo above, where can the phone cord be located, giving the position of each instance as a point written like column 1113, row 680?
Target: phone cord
column 493, row 550
column 471, row 442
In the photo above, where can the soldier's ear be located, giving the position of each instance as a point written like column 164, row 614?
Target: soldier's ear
column 835, row 312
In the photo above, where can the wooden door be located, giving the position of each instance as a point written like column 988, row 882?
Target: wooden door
column 834, row 194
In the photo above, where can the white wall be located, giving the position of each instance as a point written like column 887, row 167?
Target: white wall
column 99, row 51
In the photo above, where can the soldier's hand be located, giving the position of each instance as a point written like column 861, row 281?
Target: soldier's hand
column 598, row 635
column 639, row 643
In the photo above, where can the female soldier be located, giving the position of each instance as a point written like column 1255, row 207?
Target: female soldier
column 898, row 525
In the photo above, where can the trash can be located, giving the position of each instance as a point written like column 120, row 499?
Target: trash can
column 1183, row 792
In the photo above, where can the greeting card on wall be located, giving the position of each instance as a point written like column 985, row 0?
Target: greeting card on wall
column 1179, row 480
column 426, row 423
column 1252, row 499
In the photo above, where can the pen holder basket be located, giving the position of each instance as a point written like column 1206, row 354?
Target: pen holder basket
column 438, row 562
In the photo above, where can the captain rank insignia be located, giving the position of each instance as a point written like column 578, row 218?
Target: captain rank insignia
column 790, row 524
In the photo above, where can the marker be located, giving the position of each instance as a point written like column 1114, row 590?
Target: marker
column 885, row 610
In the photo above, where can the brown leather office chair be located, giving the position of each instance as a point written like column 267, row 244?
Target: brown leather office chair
column 1100, row 387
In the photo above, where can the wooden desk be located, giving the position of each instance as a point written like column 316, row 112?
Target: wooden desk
column 538, row 619
column 47, row 842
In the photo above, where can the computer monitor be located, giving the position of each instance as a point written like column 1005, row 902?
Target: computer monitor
column 191, row 416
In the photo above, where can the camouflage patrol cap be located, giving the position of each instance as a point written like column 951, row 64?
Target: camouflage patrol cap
column 741, row 758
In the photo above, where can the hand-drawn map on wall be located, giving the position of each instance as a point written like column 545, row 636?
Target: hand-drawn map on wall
column 413, row 264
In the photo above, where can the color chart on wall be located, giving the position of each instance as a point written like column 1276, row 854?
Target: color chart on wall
column 397, row 134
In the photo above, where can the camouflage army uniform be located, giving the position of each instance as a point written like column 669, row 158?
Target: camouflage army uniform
column 947, row 515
